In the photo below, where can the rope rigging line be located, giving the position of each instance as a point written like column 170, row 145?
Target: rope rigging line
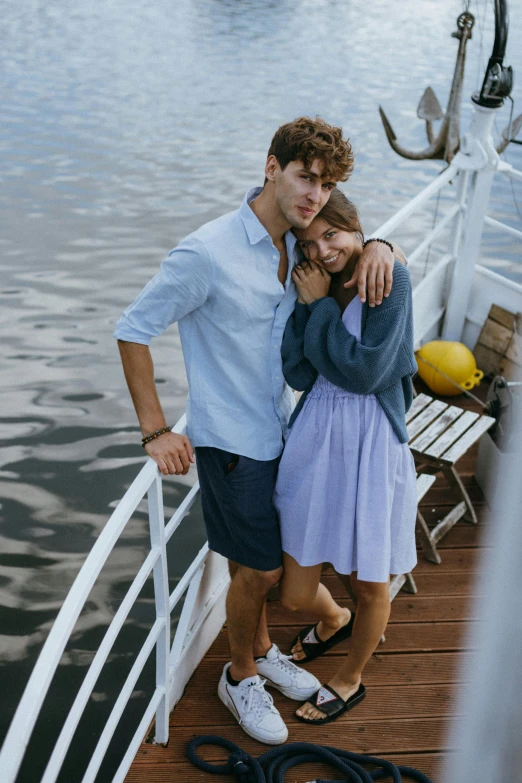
column 272, row 766
column 449, row 378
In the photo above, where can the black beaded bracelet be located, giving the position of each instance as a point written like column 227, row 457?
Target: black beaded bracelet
column 153, row 435
column 376, row 239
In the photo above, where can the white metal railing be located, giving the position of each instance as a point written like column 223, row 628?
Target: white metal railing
column 430, row 294
column 147, row 482
column 417, row 202
column 503, row 227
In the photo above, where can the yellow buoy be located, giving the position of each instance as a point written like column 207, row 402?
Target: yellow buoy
column 453, row 359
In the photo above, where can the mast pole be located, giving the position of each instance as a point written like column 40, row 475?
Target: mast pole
column 478, row 156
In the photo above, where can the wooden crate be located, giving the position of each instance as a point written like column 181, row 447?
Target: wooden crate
column 499, row 347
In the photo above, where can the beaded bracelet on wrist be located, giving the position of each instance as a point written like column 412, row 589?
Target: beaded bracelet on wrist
column 376, row 239
column 153, row 435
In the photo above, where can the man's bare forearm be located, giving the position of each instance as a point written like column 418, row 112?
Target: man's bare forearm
column 172, row 453
column 139, row 374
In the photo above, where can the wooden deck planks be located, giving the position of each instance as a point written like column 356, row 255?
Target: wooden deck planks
column 411, row 679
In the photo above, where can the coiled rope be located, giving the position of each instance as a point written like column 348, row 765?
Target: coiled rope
column 271, row 766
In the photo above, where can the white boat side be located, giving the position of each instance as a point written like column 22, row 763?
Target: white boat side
column 452, row 300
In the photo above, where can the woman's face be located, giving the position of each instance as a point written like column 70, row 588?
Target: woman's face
column 329, row 247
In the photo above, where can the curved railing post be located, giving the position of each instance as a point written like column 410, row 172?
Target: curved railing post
column 161, row 599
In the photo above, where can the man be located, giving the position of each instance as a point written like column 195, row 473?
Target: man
column 228, row 285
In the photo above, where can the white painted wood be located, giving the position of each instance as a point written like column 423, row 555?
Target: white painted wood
column 446, row 440
column 208, row 618
column 161, row 600
column 489, row 288
column 425, row 418
column 420, row 402
column 423, row 483
column 436, row 429
column 429, row 300
column 468, row 439
column 186, row 617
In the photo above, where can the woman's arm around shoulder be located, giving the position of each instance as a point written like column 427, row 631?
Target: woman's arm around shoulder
column 299, row 373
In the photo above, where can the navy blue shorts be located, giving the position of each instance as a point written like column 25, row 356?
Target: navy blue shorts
column 240, row 516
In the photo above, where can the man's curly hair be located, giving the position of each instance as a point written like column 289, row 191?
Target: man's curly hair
column 306, row 140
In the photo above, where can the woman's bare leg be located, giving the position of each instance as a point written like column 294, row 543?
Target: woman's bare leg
column 301, row 590
column 373, row 611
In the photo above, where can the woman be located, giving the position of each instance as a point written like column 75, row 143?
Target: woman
column 346, row 484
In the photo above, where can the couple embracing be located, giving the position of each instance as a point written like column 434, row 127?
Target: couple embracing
column 284, row 294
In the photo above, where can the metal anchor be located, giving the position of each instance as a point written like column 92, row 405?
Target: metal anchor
column 445, row 144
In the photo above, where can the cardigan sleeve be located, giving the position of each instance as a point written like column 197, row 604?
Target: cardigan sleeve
column 376, row 362
column 298, row 371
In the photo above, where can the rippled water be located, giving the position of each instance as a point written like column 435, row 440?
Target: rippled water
column 125, row 125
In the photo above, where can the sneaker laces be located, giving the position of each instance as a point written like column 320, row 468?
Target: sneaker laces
column 286, row 662
column 258, row 698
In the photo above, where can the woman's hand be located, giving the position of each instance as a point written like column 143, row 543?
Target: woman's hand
column 312, row 282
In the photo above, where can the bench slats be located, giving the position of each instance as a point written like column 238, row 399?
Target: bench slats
column 448, row 438
column 425, row 418
column 439, row 435
column 437, row 428
column 468, row 439
column 421, row 401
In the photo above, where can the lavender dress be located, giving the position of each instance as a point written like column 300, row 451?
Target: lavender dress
column 346, row 487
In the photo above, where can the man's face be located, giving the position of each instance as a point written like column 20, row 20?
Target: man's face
column 300, row 193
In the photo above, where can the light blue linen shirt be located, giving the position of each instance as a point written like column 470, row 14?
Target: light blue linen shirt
column 220, row 284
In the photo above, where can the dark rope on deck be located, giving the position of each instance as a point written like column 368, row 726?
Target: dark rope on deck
column 271, row 766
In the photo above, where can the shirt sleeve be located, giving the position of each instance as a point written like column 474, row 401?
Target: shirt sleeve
column 181, row 286
column 298, row 371
column 376, row 362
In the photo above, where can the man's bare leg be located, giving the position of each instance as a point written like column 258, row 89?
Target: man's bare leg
column 246, row 618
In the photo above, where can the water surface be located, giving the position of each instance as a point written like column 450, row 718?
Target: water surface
column 125, row 125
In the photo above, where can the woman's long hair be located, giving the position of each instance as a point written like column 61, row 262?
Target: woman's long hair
column 341, row 213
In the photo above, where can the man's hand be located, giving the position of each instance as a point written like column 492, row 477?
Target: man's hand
column 172, row 453
column 373, row 272
column 312, row 282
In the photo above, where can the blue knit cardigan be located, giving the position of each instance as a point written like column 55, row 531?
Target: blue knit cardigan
column 316, row 342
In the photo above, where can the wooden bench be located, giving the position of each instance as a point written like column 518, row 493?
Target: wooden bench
column 440, row 434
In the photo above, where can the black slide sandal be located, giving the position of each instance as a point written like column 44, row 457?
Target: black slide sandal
column 328, row 701
column 313, row 646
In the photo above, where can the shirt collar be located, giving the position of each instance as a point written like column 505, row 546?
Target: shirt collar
column 253, row 226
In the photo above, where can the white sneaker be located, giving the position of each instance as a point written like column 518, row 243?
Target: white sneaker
column 280, row 672
column 254, row 708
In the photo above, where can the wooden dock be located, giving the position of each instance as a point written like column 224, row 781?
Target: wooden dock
column 411, row 680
